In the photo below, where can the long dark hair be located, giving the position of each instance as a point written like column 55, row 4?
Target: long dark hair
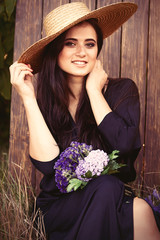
column 53, row 99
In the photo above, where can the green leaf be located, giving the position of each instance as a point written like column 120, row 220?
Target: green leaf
column 74, row 184
column 113, row 155
column 8, row 38
column 1, row 7
column 5, row 86
column 10, row 5
column 9, row 58
column 105, row 171
column 88, row 174
column 112, row 167
column 2, row 53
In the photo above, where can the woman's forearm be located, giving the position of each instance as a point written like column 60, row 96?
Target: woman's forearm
column 42, row 145
column 99, row 105
column 97, row 80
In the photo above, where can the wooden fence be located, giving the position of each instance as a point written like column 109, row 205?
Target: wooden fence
column 132, row 51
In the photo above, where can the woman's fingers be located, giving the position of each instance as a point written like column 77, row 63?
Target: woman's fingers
column 97, row 78
column 23, row 74
column 21, row 79
column 16, row 64
column 18, row 72
column 21, row 66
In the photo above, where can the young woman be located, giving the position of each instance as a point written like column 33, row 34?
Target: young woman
column 77, row 101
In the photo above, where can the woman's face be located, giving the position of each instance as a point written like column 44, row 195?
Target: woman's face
column 79, row 53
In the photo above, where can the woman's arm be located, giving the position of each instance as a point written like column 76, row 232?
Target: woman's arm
column 42, row 145
column 119, row 127
column 96, row 81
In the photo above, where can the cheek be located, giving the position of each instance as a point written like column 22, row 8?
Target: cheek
column 60, row 60
column 93, row 59
column 93, row 55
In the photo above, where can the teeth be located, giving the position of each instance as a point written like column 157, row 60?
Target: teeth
column 80, row 63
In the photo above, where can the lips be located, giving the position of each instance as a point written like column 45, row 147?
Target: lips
column 79, row 62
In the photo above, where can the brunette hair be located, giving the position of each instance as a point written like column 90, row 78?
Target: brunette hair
column 53, row 99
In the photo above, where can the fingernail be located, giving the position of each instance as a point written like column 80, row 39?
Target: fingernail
column 29, row 66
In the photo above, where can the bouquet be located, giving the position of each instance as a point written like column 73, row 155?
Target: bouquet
column 79, row 163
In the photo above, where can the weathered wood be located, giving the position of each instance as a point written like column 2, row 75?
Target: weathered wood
column 152, row 140
column 124, row 54
column 27, row 31
column 133, row 61
column 91, row 4
column 110, row 55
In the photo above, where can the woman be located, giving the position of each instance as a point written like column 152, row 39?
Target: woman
column 76, row 101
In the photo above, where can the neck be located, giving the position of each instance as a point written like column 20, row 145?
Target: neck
column 76, row 88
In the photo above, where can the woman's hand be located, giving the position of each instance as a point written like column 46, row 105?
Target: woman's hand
column 21, row 79
column 97, row 78
column 96, row 81
column 42, row 145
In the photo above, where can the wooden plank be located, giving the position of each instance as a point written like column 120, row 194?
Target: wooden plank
column 133, row 61
column 133, row 56
column 152, row 149
column 91, row 4
column 27, row 13
column 110, row 55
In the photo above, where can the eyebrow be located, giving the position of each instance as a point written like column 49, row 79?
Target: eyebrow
column 86, row 40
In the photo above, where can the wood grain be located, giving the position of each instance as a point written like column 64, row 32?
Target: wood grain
column 132, row 52
column 133, row 62
column 110, row 55
column 152, row 144
column 26, row 33
column 91, row 4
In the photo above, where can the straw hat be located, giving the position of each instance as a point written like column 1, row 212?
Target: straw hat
column 110, row 18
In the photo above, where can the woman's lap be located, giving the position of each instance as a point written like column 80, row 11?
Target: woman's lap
column 99, row 211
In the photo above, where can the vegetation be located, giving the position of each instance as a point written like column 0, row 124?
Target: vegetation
column 18, row 218
column 7, row 23
column 17, row 211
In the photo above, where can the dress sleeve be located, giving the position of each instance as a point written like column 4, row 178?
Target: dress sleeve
column 120, row 128
column 47, row 168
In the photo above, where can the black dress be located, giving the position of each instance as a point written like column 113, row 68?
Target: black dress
column 103, row 210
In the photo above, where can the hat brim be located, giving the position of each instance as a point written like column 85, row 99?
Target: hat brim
column 109, row 18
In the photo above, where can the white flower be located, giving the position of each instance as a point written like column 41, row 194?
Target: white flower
column 94, row 162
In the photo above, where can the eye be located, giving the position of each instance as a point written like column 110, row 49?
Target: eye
column 90, row 44
column 69, row 44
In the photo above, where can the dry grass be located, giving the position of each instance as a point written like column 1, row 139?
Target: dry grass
column 17, row 211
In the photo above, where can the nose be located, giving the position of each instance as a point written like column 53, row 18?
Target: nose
column 80, row 51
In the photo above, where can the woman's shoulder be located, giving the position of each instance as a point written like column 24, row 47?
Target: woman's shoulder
column 120, row 89
column 123, row 85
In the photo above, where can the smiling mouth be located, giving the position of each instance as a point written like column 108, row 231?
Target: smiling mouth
column 80, row 63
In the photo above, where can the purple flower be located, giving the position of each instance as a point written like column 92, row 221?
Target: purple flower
column 154, row 200
column 92, row 165
column 156, row 194
column 79, row 163
column 66, row 164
